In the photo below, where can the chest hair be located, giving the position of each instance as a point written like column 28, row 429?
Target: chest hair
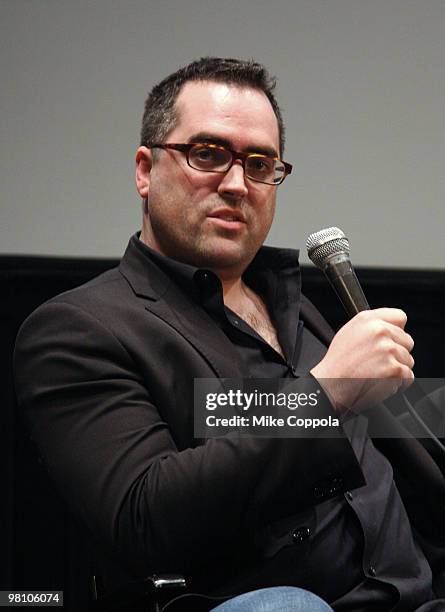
column 254, row 312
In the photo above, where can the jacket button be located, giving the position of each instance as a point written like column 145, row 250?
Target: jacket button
column 372, row 571
column 349, row 496
column 335, row 485
column 300, row 534
column 292, row 369
column 202, row 276
column 319, row 492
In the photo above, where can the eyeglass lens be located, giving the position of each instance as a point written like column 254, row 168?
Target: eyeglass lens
column 218, row 159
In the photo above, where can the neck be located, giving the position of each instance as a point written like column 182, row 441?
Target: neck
column 232, row 288
column 236, row 294
column 232, row 283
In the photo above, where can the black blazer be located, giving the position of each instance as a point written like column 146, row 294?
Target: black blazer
column 104, row 375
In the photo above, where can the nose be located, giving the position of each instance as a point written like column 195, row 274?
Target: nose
column 233, row 183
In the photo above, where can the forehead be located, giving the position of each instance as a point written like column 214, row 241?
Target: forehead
column 241, row 115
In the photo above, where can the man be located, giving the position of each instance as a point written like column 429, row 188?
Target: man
column 105, row 376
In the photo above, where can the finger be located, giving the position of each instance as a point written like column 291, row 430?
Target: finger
column 399, row 367
column 403, row 356
column 410, row 362
column 401, row 337
column 407, row 381
column 396, row 316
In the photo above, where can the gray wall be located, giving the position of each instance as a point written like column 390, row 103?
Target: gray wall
column 361, row 83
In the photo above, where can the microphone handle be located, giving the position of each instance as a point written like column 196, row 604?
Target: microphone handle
column 341, row 275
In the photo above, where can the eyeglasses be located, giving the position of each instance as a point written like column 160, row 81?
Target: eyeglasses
column 209, row 157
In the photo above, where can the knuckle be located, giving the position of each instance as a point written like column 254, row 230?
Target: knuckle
column 378, row 328
column 401, row 371
column 406, row 372
column 370, row 314
column 363, row 315
column 384, row 342
column 387, row 347
column 392, row 349
column 396, row 369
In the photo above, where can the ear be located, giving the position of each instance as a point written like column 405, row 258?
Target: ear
column 144, row 163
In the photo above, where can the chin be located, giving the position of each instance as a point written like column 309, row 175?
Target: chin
column 226, row 258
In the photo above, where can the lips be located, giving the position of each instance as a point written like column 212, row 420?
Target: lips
column 228, row 215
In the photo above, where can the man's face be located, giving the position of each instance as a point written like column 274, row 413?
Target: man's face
column 211, row 220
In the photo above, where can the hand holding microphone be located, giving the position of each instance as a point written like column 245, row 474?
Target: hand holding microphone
column 369, row 358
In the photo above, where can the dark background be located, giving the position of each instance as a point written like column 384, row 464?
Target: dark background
column 42, row 547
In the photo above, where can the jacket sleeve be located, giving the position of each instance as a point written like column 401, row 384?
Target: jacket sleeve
column 114, row 459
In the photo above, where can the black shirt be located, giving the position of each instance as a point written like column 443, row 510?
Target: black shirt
column 359, row 546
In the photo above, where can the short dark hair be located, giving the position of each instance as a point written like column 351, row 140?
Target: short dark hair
column 160, row 115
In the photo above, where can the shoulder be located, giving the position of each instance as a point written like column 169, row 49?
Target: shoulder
column 101, row 299
column 92, row 316
column 75, row 334
column 96, row 291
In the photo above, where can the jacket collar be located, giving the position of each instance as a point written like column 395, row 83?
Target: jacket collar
column 167, row 302
column 144, row 277
column 149, row 281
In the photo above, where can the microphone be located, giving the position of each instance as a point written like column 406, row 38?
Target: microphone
column 328, row 249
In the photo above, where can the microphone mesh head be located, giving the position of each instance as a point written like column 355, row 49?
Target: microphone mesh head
column 325, row 243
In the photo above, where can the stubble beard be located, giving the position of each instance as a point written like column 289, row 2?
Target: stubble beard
column 192, row 244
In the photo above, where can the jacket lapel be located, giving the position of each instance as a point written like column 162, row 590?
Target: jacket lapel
column 168, row 302
column 315, row 321
column 199, row 329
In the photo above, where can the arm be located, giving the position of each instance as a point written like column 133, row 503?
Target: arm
column 114, row 458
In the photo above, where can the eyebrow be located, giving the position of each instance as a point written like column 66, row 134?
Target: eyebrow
column 207, row 138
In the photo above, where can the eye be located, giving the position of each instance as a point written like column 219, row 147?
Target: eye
column 204, row 154
column 260, row 164
column 208, row 157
